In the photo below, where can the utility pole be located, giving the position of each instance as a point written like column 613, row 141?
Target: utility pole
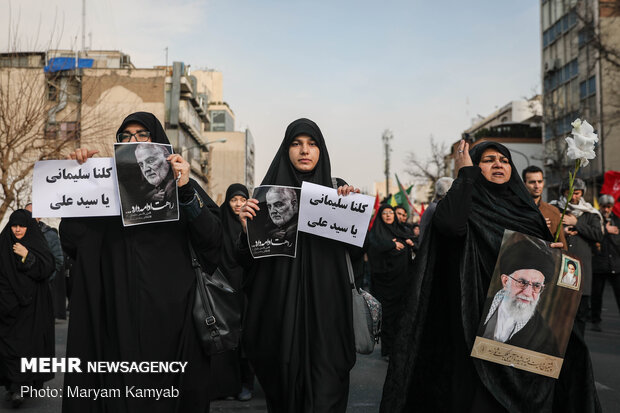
column 386, row 138
column 83, row 25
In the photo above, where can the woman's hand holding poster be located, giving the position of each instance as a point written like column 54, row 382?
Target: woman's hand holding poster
column 316, row 209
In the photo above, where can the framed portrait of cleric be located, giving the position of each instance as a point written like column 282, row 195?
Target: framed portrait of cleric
column 528, row 315
column 274, row 229
column 146, row 186
column 570, row 273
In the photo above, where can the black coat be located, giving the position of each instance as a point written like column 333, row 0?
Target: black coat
column 432, row 369
column 132, row 298
column 606, row 257
column 26, row 312
column 299, row 325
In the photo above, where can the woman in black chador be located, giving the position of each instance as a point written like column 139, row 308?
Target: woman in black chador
column 231, row 374
column 389, row 255
column 299, row 332
column 431, row 368
column 133, row 292
column 26, row 312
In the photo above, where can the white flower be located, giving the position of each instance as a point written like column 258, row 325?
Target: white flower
column 581, row 145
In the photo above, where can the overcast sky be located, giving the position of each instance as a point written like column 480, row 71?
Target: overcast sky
column 355, row 67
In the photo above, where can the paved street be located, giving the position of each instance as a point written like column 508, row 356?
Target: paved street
column 369, row 372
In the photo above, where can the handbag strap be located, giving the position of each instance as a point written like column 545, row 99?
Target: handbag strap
column 350, row 270
column 206, row 305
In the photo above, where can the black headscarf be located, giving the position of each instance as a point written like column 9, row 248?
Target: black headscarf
column 299, row 331
column 26, row 312
column 231, row 228
column 132, row 297
column 388, row 232
column 282, row 172
column 451, row 280
column 20, row 278
column 150, row 122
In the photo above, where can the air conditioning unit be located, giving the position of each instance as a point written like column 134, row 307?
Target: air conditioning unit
column 557, row 64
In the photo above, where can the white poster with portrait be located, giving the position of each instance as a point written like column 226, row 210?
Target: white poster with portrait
column 146, row 183
column 324, row 213
column 64, row 188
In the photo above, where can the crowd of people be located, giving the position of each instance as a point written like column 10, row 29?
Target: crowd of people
column 131, row 291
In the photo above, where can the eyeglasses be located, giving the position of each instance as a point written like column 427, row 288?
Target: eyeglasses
column 536, row 287
column 140, row 136
column 387, row 213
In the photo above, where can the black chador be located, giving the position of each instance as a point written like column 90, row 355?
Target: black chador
column 225, row 368
column 132, row 299
column 299, row 333
column 26, row 312
column 431, row 368
column 389, row 272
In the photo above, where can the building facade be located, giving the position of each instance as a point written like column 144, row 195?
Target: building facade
column 581, row 79
column 231, row 154
column 61, row 100
column 516, row 125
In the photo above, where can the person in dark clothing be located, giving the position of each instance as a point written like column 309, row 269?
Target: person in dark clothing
column 57, row 280
column 299, row 323
column 231, row 372
column 133, row 292
column 389, row 255
column 534, row 181
column 442, row 186
column 431, row 368
column 26, row 313
column 606, row 260
column 583, row 228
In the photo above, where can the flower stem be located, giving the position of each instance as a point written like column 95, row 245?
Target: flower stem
column 571, row 189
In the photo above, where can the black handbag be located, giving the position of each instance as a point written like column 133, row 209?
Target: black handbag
column 216, row 312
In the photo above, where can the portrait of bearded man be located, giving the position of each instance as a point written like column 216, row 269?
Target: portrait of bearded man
column 512, row 316
column 282, row 206
column 152, row 160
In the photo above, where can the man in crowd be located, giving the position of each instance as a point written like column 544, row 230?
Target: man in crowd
column 401, row 214
column 441, row 189
column 57, row 280
column 535, row 184
column 583, row 227
column 606, row 260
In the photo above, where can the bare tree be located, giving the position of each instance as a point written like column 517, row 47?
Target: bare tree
column 41, row 114
column 431, row 168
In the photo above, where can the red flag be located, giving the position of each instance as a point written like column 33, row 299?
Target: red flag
column 422, row 209
column 611, row 186
column 375, row 209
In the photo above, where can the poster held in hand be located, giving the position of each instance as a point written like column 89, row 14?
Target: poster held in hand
column 529, row 312
column 64, row 188
column 146, row 184
column 324, row 213
column 273, row 231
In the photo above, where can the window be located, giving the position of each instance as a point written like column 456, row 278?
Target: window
column 52, row 92
column 587, row 88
